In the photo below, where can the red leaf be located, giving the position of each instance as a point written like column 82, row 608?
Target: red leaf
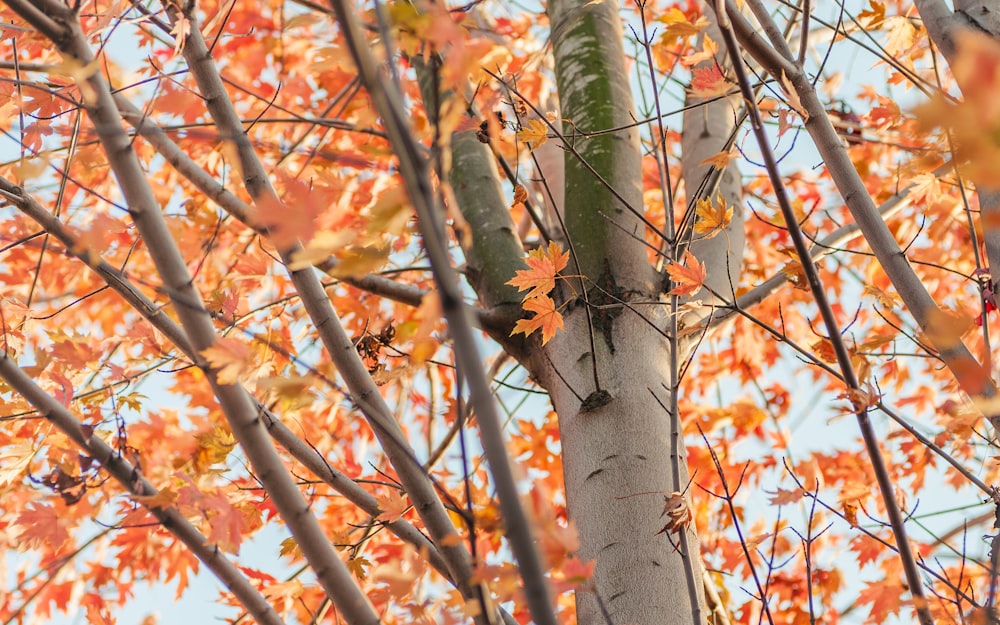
column 687, row 277
column 42, row 526
column 708, row 82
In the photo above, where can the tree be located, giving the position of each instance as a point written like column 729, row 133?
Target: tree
column 303, row 221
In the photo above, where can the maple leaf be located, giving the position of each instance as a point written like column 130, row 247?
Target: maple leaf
column 41, row 526
column 393, row 507
column 887, row 300
column 79, row 73
column 679, row 26
column 534, row 132
column 290, row 218
column 886, row 597
column 708, row 82
column 851, row 512
column 547, row 318
column 944, row 329
column 230, row 358
column 181, row 30
column 719, row 160
column 796, row 275
column 320, row 248
column 401, row 574
column 289, row 547
column 708, row 50
column 520, row 195
column 873, row 17
column 712, row 219
column 545, row 264
column 782, row 496
column 163, row 498
column 574, row 574
column 14, row 459
column 902, row 35
column 677, row 511
column 688, row 277
column 793, row 97
column 358, row 567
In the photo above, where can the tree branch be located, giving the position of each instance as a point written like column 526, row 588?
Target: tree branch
column 168, row 516
column 421, row 194
column 970, row 374
column 860, row 403
column 240, row 412
column 154, row 314
column 340, row 347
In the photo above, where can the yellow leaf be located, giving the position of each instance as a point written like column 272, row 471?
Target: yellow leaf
column 289, row 547
column 357, row 566
column 712, row 219
column 719, row 160
column 214, row 447
column 75, row 69
column 358, row 261
column 320, row 248
column 793, row 97
column 14, row 460
column 534, row 132
column 27, row 170
column 391, row 213
column 887, row 300
column 679, row 26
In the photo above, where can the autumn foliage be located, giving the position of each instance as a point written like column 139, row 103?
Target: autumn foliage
column 259, row 301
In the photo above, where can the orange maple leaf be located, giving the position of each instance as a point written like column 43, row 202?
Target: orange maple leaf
column 708, row 50
column 687, row 277
column 41, row 526
column 544, row 265
column 291, row 218
column 708, row 82
column 712, row 219
column 783, row 496
column 393, row 507
column 230, row 358
column 719, row 160
column 546, row 317
column 873, row 18
column 886, row 597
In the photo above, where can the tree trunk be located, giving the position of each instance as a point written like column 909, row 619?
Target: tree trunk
column 620, row 447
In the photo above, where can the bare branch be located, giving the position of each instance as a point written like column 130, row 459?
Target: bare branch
column 969, row 373
column 860, row 404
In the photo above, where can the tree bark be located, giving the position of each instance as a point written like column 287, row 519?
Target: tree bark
column 603, row 370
